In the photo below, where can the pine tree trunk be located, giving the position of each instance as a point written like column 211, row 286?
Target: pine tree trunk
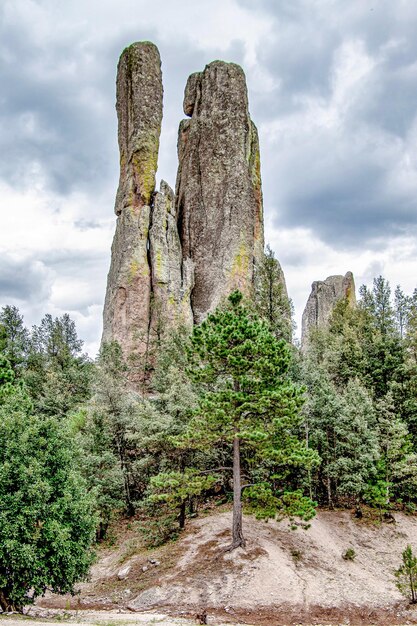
column 237, row 532
column 181, row 519
column 413, row 593
column 329, row 493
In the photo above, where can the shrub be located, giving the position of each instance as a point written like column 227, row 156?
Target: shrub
column 349, row 555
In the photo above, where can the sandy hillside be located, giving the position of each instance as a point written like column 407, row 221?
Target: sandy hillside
column 281, row 577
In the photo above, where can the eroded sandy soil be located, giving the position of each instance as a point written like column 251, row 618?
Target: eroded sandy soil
column 281, row 577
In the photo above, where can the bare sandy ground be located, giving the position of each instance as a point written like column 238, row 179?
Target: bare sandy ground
column 101, row 618
column 282, row 576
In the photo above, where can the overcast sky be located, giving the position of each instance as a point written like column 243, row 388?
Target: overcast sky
column 332, row 88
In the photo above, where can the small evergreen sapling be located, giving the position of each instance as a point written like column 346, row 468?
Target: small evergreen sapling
column 406, row 575
column 169, row 493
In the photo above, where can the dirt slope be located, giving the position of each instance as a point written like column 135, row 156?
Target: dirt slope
column 281, row 577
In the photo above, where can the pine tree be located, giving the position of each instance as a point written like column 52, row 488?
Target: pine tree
column 14, row 337
column 398, row 464
column 271, row 300
column 321, row 412
column 361, row 409
column 402, row 310
column 108, row 430
column 356, row 443
column 246, row 394
column 57, row 373
column 382, row 346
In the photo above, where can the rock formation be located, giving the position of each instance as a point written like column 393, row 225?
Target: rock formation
column 146, row 274
column 218, row 191
column 175, row 258
column 323, row 297
column 139, row 110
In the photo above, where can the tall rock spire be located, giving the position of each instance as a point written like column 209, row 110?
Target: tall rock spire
column 149, row 283
column 176, row 257
column 127, row 306
column 218, row 192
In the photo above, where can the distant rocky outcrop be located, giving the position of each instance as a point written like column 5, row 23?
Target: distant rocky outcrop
column 175, row 257
column 322, row 299
column 218, row 191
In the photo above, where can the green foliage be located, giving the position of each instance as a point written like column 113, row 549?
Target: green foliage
column 262, row 501
column 46, row 520
column 377, row 495
column 246, row 397
column 339, row 427
column 14, row 338
column 233, row 407
column 349, row 555
column 406, row 575
column 175, row 488
column 241, row 370
column 7, row 378
column 271, row 300
column 168, row 496
column 105, row 437
column 361, row 408
column 356, row 445
column 159, row 524
column 57, row 374
column 402, row 310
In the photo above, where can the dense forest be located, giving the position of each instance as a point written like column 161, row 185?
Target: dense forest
column 235, row 413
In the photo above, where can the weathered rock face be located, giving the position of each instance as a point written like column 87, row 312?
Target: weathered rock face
column 172, row 279
column 323, row 297
column 127, row 307
column 218, row 192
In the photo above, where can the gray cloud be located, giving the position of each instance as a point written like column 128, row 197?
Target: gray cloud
column 351, row 178
column 23, row 280
column 344, row 182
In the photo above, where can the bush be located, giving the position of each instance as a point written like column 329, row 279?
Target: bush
column 349, row 555
column 161, row 526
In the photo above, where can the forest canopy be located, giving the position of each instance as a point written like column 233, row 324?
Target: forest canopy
column 233, row 413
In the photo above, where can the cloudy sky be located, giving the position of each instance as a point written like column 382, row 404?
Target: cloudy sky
column 333, row 91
